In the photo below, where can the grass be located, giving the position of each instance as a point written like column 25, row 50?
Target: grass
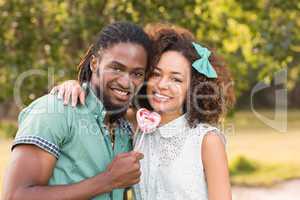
column 274, row 155
column 258, row 155
column 266, row 175
column 4, row 158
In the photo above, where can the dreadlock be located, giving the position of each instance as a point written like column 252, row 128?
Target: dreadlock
column 119, row 32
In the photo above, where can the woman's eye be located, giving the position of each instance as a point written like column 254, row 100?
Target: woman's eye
column 177, row 80
column 155, row 74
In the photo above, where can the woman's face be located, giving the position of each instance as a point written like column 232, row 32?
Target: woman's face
column 168, row 84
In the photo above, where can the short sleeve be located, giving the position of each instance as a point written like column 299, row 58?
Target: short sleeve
column 205, row 129
column 44, row 124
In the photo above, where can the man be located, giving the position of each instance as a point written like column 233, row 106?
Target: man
column 62, row 152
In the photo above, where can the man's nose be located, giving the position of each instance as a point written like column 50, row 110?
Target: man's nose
column 124, row 81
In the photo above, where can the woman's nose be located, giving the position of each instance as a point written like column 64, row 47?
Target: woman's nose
column 163, row 83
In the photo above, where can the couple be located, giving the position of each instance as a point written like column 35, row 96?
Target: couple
column 85, row 152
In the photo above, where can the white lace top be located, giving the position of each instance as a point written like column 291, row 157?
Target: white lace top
column 172, row 166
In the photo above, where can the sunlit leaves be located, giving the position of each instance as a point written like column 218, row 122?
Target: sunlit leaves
column 256, row 38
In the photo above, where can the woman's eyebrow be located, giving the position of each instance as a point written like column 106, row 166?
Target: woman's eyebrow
column 177, row 73
column 172, row 72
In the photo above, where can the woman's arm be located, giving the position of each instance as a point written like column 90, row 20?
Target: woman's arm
column 216, row 167
column 71, row 90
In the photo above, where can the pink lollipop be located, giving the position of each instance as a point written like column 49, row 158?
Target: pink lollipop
column 147, row 122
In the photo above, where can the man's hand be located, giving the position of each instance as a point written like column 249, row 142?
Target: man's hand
column 124, row 170
column 31, row 169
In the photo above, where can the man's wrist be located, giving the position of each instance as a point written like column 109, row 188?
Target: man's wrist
column 107, row 184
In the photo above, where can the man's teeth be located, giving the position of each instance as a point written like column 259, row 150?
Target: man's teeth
column 121, row 92
column 161, row 97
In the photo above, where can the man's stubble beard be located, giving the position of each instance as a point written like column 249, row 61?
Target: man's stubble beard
column 114, row 111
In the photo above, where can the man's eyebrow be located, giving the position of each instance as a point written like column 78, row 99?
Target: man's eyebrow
column 138, row 69
column 114, row 62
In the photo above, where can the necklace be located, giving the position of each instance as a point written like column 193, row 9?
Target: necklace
column 112, row 128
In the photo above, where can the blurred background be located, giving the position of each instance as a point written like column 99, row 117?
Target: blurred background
column 41, row 43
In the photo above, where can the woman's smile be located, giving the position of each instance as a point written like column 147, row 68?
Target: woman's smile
column 160, row 97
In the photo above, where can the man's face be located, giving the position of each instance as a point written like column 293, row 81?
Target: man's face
column 118, row 74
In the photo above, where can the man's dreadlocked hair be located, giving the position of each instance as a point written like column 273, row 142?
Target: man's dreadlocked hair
column 115, row 33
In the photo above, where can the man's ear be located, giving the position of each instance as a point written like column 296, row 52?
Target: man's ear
column 93, row 64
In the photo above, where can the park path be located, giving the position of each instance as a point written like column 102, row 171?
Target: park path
column 289, row 190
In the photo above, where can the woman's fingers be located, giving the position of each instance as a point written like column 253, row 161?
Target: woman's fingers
column 61, row 91
column 53, row 90
column 67, row 95
column 70, row 91
column 75, row 95
column 82, row 96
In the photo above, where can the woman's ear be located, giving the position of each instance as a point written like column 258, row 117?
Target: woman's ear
column 93, row 63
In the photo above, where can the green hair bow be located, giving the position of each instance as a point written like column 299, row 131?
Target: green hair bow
column 203, row 65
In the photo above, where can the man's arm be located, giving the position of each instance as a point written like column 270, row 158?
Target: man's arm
column 32, row 167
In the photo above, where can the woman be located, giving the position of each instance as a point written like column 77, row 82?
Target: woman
column 185, row 157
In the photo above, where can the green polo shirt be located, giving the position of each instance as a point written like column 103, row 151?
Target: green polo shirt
column 77, row 137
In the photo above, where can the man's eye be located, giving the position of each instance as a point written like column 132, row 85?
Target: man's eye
column 138, row 74
column 116, row 69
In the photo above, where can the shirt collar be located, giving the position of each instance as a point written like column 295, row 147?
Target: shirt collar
column 93, row 103
column 96, row 107
column 173, row 128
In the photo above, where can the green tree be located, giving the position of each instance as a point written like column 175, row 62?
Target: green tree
column 256, row 38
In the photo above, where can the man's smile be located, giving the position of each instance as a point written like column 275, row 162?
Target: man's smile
column 121, row 94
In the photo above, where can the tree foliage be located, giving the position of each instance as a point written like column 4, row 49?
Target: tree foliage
column 45, row 37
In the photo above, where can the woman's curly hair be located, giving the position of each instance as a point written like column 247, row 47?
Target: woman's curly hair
column 208, row 99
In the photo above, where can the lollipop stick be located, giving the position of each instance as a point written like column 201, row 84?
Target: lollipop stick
column 135, row 135
column 137, row 147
